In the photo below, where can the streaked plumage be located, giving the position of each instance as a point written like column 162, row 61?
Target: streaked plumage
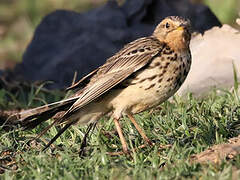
column 140, row 76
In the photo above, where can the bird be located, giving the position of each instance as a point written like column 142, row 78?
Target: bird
column 142, row 75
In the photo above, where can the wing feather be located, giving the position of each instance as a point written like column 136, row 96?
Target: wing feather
column 130, row 59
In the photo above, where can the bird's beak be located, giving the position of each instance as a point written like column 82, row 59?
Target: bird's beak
column 181, row 28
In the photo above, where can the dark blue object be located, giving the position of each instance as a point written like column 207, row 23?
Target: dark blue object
column 67, row 41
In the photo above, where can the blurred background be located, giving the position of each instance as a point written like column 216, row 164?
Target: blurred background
column 19, row 18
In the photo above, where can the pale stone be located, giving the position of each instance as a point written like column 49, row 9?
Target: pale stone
column 213, row 56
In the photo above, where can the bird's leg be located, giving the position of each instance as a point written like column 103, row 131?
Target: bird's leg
column 122, row 139
column 141, row 132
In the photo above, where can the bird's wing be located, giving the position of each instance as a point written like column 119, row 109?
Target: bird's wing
column 114, row 62
column 131, row 58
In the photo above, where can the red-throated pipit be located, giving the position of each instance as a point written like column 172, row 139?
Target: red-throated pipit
column 143, row 74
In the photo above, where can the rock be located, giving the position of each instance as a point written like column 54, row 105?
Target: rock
column 66, row 42
column 213, row 56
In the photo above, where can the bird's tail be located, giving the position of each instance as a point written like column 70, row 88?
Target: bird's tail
column 33, row 117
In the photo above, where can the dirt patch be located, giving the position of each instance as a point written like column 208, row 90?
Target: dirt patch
column 8, row 161
column 217, row 153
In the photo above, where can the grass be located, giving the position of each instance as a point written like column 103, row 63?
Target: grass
column 226, row 11
column 188, row 124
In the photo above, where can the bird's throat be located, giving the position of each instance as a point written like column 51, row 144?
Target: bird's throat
column 177, row 42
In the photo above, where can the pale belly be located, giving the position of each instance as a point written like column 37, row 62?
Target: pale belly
column 149, row 88
column 135, row 99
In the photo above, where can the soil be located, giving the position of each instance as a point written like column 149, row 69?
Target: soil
column 217, row 153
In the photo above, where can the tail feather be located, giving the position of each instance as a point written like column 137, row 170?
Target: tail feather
column 31, row 118
column 34, row 120
column 58, row 134
column 35, row 111
column 47, row 128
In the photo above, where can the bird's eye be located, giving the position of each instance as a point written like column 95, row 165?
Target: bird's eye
column 167, row 25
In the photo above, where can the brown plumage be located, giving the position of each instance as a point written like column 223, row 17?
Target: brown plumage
column 140, row 76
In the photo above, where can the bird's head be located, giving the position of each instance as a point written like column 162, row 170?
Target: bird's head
column 175, row 31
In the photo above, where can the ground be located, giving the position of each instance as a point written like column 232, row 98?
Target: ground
column 181, row 129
